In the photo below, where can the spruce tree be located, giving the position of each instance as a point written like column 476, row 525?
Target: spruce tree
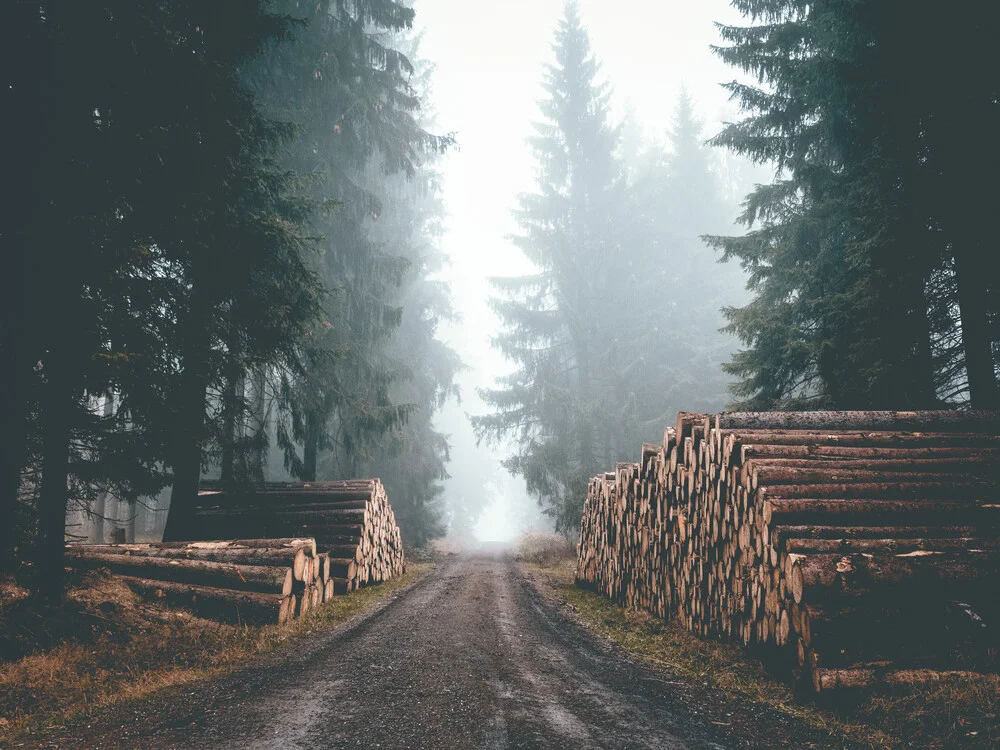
column 561, row 403
column 859, row 232
column 839, row 317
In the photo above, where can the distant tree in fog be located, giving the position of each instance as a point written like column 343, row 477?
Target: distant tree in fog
column 618, row 326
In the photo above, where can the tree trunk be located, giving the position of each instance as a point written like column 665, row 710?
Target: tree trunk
column 311, row 448
column 191, row 423
column 263, row 578
column 12, row 424
column 56, row 417
column 231, row 410
column 99, row 511
column 973, row 305
column 240, row 607
column 13, row 402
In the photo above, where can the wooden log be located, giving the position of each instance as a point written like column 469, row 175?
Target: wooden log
column 283, row 507
column 863, row 679
column 816, row 577
column 342, row 567
column 768, row 475
column 952, row 490
column 241, row 607
column 306, row 543
column 932, row 454
column 781, row 533
column 323, row 567
column 873, row 512
column 986, row 422
column 293, row 557
column 303, row 603
column 861, row 439
column 349, row 551
column 277, row 516
column 259, row 578
column 891, row 546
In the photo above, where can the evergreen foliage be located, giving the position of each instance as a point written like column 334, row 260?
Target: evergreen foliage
column 618, row 326
column 193, row 255
column 856, row 250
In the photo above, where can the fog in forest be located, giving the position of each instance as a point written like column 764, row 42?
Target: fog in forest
column 487, row 84
column 482, row 253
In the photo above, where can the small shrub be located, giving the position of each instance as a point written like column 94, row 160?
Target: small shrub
column 545, row 549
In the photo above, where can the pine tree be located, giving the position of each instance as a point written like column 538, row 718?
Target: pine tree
column 157, row 232
column 675, row 199
column 373, row 375
column 561, row 403
column 857, row 233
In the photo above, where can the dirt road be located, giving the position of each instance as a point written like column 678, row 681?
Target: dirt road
column 472, row 657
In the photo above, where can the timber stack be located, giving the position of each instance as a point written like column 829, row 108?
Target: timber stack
column 243, row 581
column 852, row 549
column 351, row 521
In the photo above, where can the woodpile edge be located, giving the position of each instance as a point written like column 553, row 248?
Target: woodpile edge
column 852, row 550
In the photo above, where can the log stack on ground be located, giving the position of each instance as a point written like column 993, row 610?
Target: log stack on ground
column 244, row 581
column 853, row 549
column 352, row 522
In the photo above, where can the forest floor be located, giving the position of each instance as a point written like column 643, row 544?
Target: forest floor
column 480, row 654
column 946, row 716
column 104, row 649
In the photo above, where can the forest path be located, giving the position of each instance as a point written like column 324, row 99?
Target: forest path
column 471, row 657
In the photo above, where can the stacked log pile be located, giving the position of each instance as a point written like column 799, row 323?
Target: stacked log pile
column 352, row 522
column 853, row 548
column 245, row 581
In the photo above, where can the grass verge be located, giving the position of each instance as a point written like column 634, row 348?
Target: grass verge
column 938, row 717
column 105, row 646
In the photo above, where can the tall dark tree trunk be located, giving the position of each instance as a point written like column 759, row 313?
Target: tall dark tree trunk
column 100, row 502
column 972, row 274
column 586, row 429
column 910, row 385
column 231, row 407
column 259, row 401
column 12, row 441
column 311, row 449
column 131, row 512
column 57, row 411
column 191, row 433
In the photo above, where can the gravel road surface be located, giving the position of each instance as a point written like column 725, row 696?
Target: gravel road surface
column 472, row 657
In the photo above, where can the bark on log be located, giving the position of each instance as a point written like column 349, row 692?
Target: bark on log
column 830, row 679
column 240, row 607
column 894, row 546
column 873, row 512
column 813, row 452
column 817, row 577
column 259, row 578
column 292, row 557
column 951, row 490
column 987, row 422
column 873, row 439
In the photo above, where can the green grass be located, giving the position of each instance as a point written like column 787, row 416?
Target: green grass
column 143, row 648
column 945, row 716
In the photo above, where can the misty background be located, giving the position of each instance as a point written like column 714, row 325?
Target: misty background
column 487, row 82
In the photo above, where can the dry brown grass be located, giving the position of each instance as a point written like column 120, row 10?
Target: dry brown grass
column 940, row 717
column 546, row 550
column 138, row 649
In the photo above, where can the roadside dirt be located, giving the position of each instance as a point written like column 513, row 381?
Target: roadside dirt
column 472, row 656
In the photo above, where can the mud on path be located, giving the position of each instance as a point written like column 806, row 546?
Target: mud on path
column 471, row 657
